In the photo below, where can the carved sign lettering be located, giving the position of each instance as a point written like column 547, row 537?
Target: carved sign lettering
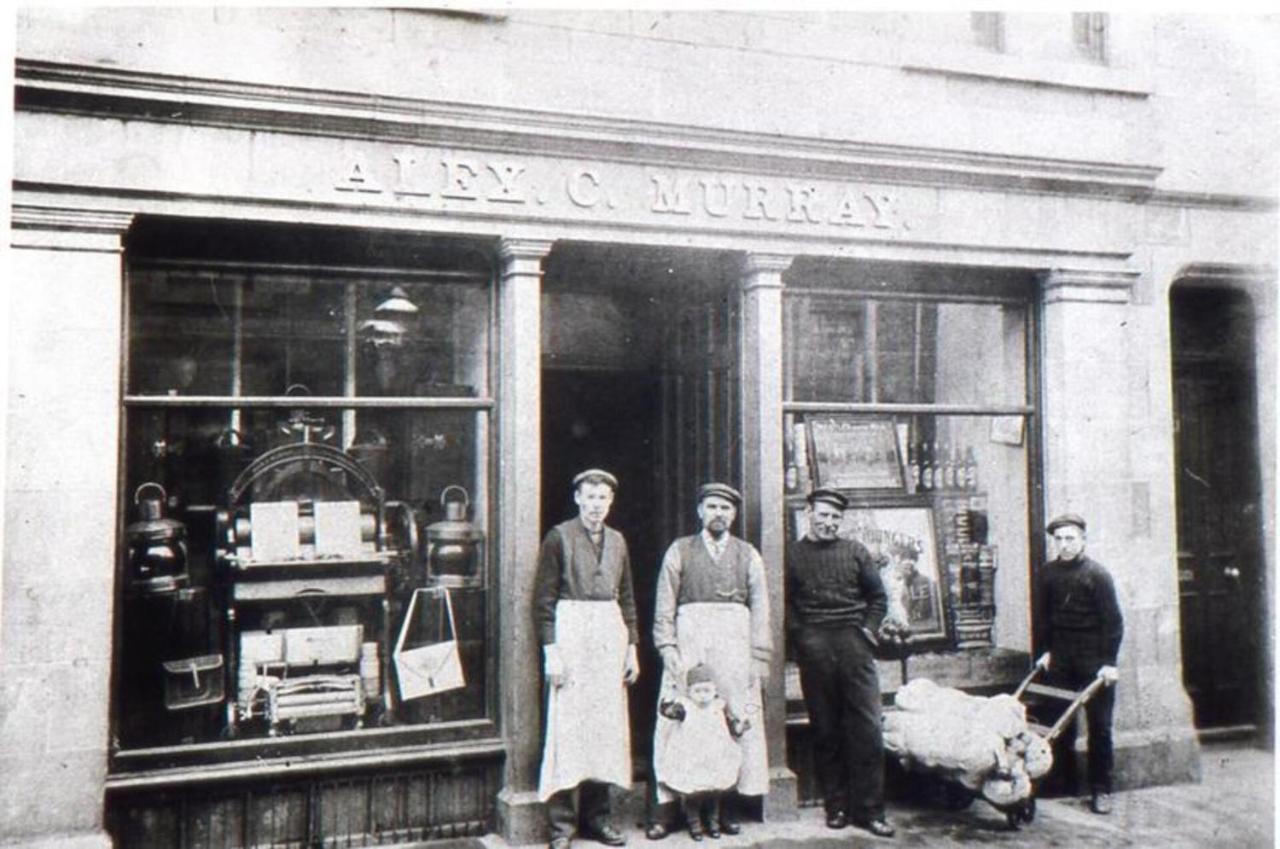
column 421, row 177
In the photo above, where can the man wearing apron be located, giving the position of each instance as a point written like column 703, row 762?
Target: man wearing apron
column 585, row 612
column 712, row 607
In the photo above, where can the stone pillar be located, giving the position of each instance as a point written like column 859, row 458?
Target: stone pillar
column 1108, row 455
column 762, row 520
column 520, row 816
column 60, row 528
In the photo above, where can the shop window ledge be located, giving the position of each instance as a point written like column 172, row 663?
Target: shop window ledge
column 982, row 671
column 302, row 754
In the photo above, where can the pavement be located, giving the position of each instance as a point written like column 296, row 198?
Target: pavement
column 1232, row 806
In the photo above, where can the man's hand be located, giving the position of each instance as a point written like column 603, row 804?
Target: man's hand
column 1042, row 662
column 631, row 671
column 1109, row 675
column 553, row 666
column 760, row 670
column 672, row 664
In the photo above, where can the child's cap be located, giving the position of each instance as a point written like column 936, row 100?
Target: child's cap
column 700, row 674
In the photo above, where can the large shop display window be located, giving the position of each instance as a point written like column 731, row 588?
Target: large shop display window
column 908, row 390
column 306, row 488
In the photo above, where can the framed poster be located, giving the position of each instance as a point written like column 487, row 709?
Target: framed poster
column 856, row 453
column 903, row 542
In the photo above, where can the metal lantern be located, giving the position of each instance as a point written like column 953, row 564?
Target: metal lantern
column 455, row 547
column 157, row 546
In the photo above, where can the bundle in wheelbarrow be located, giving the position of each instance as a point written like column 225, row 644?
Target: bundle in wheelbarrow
column 980, row 746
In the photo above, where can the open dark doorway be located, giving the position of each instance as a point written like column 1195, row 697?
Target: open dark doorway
column 640, row 378
column 1219, row 504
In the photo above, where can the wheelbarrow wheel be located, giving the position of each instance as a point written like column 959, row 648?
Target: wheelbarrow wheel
column 957, row 798
column 1023, row 812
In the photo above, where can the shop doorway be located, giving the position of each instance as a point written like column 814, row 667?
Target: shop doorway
column 1218, row 503
column 639, row 377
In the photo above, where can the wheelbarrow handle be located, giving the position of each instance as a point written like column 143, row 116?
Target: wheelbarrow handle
column 1087, row 693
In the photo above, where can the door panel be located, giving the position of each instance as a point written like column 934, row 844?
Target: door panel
column 1219, row 534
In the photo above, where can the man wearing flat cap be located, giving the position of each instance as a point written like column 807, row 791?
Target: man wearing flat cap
column 835, row 604
column 712, row 607
column 585, row 613
column 1079, row 627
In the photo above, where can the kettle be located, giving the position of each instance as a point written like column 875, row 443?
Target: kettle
column 455, row 547
column 157, row 546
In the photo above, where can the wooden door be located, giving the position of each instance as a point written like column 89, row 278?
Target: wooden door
column 1218, row 497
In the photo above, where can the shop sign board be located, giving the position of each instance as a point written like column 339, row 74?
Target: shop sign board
column 672, row 196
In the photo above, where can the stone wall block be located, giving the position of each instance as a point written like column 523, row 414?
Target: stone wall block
column 56, row 793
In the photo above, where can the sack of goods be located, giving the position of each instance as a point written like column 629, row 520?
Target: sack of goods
column 983, row 743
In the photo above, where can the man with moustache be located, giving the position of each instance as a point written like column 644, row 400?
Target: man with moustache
column 585, row 614
column 712, row 608
column 1079, row 626
column 835, row 604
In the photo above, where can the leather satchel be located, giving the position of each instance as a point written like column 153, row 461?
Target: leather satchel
column 434, row 667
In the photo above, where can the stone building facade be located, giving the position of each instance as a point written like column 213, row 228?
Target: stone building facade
column 974, row 269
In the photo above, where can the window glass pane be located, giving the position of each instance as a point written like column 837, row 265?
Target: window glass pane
column 422, row 339
column 270, row 334
column 181, row 332
column 846, row 349
column 322, row 614
column 293, row 336
column 948, row 524
column 827, row 348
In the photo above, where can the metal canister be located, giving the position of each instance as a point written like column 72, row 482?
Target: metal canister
column 157, row 545
column 455, row 547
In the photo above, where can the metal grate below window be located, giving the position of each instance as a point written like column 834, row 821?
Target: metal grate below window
column 444, row 803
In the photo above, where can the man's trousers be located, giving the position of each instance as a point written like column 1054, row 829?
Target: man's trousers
column 587, row 804
column 842, row 694
column 1076, row 674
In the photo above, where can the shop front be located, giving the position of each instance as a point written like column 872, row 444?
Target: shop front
column 306, row 390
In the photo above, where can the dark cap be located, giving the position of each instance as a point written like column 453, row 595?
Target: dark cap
column 828, row 496
column 720, row 490
column 700, row 674
column 595, row 476
column 1065, row 519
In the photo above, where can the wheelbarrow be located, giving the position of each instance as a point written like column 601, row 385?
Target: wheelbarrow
column 958, row 796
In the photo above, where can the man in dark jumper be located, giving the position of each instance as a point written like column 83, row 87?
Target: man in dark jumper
column 835, row 604
column 1079, row 626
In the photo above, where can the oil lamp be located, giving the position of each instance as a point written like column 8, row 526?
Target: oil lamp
column 455, row 547
column 157, row 545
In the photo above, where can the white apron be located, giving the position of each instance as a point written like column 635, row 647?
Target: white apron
column 701, row 755
column 588, row 731
column 719, row 635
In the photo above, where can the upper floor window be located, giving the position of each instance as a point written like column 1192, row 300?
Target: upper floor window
column 988, row 29
column 1089, row 30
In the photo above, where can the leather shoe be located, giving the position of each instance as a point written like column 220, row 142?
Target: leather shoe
column 1100, row 803
column 879, row 827
column 656, row 831
column 606, row 834
column 837, row 819
column 730, row 826
column 713, row 831
column 558, row 843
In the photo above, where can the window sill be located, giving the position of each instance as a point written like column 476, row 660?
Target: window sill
column 302, row 754
column 983, row 671
column 1082, row 75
